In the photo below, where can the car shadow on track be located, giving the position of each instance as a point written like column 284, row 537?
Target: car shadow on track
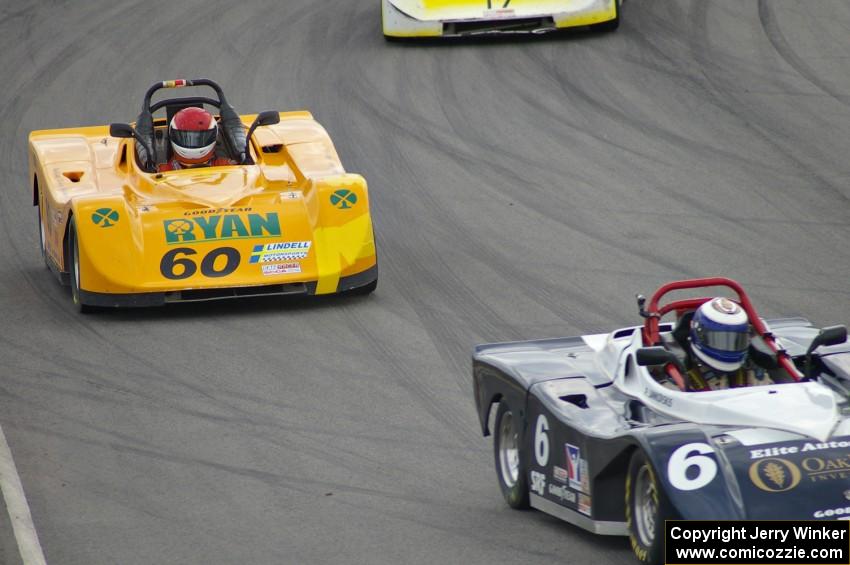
column 571, row 34
column 484, row 40
column 585, row 546
column 245, row 306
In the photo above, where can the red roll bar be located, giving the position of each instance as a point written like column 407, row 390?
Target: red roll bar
column 654, row 313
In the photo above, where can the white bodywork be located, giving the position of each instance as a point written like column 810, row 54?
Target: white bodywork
column 426, row 18
column 807, row 409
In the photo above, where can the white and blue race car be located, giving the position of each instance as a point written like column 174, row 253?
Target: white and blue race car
column 604, row 432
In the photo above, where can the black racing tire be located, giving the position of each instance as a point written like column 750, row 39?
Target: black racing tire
column 511, row 468
column 610, row 25
column 41, row 239
column 647, row 508
column 74, row 267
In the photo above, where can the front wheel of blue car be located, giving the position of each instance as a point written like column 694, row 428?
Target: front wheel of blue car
column 646, row 510
column 510, row 466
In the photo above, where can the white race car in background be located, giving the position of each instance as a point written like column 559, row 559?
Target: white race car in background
column 404, row 19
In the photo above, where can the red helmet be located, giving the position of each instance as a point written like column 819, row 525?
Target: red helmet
column 192, row 132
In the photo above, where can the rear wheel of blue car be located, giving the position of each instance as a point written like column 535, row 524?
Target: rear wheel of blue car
column 74, row 260
column 646, row 509
column 510, row 466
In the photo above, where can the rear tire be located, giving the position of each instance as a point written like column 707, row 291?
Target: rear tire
column 647, row 508
column 510, row 467
column 41, row 239
column 74, row 266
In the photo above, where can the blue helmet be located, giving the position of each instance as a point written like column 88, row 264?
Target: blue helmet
column 720, row 334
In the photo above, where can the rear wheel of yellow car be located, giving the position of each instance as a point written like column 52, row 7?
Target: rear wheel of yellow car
column 74, row 260
column 42, row 238
column 647, row 508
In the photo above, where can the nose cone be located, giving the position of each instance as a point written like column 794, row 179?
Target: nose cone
column 808, row 409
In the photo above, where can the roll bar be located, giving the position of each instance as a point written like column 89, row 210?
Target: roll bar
column 180, row 83
column 655, row 312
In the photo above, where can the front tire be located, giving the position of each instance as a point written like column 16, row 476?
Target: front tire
column 510, row 467
column 74, row 260
column 647, row 508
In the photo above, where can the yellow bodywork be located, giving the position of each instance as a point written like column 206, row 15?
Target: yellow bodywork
column 295, row 216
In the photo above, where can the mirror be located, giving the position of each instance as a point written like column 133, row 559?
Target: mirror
column 121, row 130
column 267, row 118
column 832, row 335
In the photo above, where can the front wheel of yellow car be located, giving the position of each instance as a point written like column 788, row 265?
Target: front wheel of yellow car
column 74, row 259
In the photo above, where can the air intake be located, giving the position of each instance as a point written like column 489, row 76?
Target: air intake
column 520, row 25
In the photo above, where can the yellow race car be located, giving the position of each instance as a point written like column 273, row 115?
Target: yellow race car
column 280, row 217
column 405, row 19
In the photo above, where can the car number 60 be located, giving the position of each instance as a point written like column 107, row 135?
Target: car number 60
column 170, row 261
column 683, row 459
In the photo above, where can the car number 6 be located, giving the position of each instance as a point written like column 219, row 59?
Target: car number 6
column 541, row 441
column 683, row 459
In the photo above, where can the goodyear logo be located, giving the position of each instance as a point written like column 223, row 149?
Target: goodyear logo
column 280, row 251
column 217, row 227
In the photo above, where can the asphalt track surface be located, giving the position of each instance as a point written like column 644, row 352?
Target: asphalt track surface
column 520, row 189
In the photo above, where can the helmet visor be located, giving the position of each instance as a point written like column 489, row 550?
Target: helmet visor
column 192, row 139
column 724, row 341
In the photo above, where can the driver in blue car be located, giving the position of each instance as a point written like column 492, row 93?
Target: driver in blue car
column 719, row 342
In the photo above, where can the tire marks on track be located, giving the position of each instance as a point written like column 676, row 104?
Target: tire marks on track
column 770, row 25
